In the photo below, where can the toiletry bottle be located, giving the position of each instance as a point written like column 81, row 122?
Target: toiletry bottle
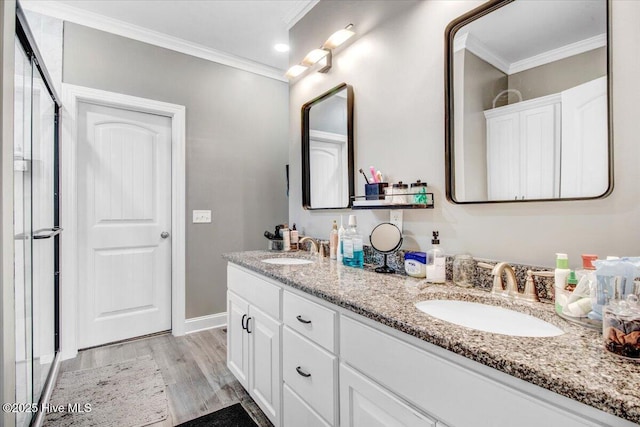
column 353, row 255
column 286, row 237
column 436, row 262
column 560, row 275
column 333, row 241
column 572, row 281
column 295, row 237
column 341, row 232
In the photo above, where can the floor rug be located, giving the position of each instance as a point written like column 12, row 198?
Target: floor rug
column 126, row 394
column 231, row 416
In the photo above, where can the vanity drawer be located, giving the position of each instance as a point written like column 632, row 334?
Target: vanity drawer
column 311, row 372
column 255, row 290
column 297, row 413
column 310, row 320
column 438, row 386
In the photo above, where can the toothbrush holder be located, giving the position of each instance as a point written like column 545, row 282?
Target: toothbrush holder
column 375, row 191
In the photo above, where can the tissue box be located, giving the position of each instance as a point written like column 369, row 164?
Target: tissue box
column 375, row 191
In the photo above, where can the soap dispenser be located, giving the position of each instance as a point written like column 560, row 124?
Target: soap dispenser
column 436, row 262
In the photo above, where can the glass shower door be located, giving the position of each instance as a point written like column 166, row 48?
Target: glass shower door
column 23, row 231
column 36, row 235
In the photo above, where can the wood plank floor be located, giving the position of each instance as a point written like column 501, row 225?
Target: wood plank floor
column 193, row 367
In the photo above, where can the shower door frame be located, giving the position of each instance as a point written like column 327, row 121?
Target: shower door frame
column 28, row 43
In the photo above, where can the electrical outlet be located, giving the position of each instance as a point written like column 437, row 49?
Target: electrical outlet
column 395, row 218
column 201, row 217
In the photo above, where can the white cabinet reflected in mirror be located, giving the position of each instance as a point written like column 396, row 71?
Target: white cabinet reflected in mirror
column 528, row 102
column 327, row 150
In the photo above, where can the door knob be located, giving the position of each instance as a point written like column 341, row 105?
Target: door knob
column 164, row 234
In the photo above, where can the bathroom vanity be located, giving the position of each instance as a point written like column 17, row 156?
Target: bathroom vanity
column 320, row 344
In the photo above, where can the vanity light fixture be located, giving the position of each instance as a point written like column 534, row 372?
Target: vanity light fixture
column 295, row 71
column 323, row 55
column 339, row 37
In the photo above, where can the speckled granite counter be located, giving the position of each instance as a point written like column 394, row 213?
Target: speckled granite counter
column 574, row 365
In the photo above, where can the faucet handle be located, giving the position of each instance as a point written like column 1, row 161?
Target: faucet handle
column 530, row 292
column 485, row 265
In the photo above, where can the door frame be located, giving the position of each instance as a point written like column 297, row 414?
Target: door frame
column 69, row 303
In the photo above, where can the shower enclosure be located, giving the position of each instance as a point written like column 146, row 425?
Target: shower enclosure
column 37, row 233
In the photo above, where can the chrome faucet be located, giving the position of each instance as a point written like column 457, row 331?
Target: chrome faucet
column 511, row 291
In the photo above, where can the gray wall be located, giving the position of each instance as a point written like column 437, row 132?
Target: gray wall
column 396, row 69
column 7, row 301
column 560, row 75
column 482, row 81
column 236, row 144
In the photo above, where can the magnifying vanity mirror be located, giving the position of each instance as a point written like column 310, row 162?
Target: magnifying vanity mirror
column 386, row 239
column 327, row 150
column 528, row 102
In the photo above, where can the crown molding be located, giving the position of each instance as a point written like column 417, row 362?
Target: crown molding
column 298, row 11
column 562, row 52
column 93, row 20
column 475, row 46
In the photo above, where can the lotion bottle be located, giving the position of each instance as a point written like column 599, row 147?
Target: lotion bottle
column 560, row 276
column 294, row 238
column 341, row 232
column 436, row 262
column 333, row 241
column 286, row 237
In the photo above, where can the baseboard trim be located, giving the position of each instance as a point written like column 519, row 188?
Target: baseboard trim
column 197, row 324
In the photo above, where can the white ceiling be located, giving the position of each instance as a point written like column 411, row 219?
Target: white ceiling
column 247, row 29
column 524, row 29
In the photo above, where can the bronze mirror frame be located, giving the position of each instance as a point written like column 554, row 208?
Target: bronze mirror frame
column 450, row 32
column 306, row 169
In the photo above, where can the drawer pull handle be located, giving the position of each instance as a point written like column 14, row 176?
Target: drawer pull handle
column 244, row 326
column 303, row 373
column 301, row 320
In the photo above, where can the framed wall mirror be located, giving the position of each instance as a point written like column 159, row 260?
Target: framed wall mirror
column 327, row 150
column 528, row 109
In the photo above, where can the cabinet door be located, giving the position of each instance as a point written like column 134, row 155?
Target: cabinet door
column 297, row 413
column 503, row 157
column 539, row 165
column 363, row 403
column 237, row 338
column 265, row 376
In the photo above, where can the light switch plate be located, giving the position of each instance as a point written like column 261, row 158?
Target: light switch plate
column 201, row 216
column 395, row 218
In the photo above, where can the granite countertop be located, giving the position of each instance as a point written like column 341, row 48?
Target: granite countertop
column 574, row 365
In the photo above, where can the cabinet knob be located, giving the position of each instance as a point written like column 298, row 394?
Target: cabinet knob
column 164, row 234
column 302, row 320
column 302, row 373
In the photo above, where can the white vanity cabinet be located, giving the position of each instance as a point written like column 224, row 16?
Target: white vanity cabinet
column 254, row 331
column 523, row 148
column 309, row 363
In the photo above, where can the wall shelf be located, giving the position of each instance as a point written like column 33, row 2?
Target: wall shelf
column 383, row 204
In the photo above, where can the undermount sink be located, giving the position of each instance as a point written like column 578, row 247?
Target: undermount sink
column 488, row 318
column 287, row 261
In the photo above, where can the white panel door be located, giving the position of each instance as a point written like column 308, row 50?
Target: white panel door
column 503, row 157
column 365, row 404
column 539, row 131
column 265, row 376
column 237, row 338
column 328, row 178
column 585, row 140
column 124, row 220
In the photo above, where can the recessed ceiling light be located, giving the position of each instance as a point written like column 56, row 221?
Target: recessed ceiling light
column 281, row 47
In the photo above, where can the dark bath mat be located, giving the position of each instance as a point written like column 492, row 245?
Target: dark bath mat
column 231, row 416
